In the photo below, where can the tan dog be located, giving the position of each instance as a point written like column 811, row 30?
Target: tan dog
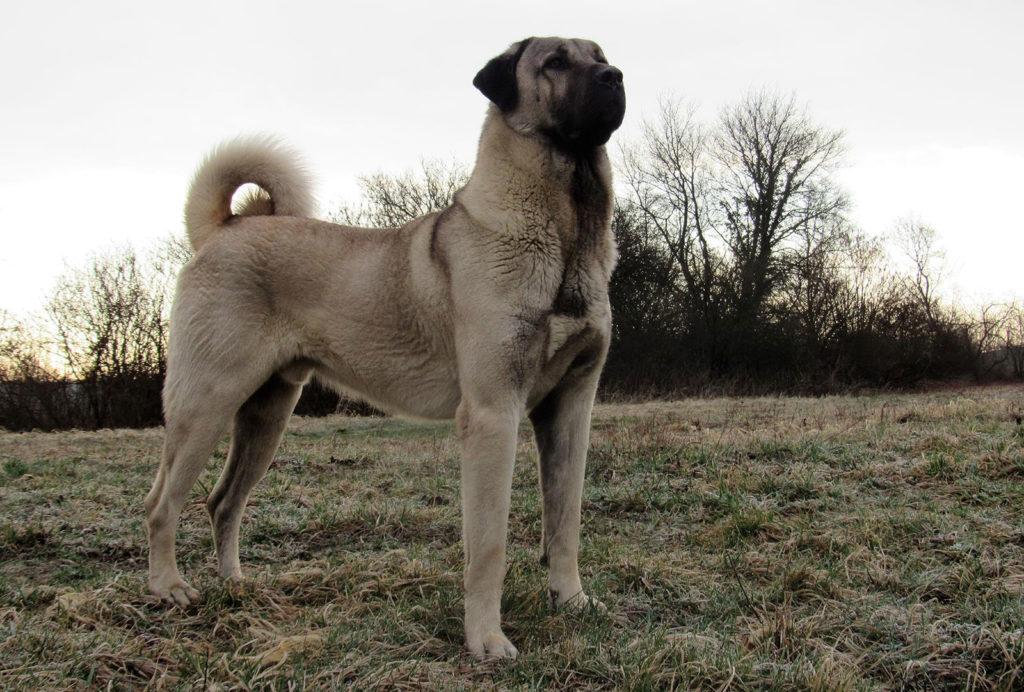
column 491, row 309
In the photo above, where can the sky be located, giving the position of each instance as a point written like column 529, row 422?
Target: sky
column 107, row 107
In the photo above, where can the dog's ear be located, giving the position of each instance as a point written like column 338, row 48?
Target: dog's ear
column 497, row 79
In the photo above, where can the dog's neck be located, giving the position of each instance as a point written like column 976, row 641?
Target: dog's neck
column 515, row 166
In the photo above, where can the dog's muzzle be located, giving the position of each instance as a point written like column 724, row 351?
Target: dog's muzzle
column 607, row 101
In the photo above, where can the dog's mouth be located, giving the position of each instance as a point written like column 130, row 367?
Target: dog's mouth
column 609, row 119
column 596, row 128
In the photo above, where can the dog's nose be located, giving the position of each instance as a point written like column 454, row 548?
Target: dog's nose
column 609, row 76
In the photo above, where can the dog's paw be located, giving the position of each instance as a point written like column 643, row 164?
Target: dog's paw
column 580, row 602
column 234, row 577
column 174, row 592
column 491, row 645
column 584, row 602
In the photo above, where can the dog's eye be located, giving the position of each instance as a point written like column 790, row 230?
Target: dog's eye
column 556, row 62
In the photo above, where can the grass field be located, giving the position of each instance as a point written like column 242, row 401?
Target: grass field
column 773, row 543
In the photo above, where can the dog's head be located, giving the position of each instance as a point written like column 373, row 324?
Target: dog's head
column 557, row 88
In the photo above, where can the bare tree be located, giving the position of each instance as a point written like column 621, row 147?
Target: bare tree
column 644, row 292
column 670, row 175
column 815, row 295
column 109, row 319
column 919, row 244
column 1015, row 338
column 775, row 182
column 391, row 200
column 172, row 252
column 735, row 205
column 866, row 277
column 19, row 355
column 33, row 394
column 986, row 335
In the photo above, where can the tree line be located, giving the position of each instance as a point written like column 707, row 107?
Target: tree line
column 739, row 272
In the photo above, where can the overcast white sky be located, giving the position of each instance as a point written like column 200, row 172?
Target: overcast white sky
column 107, row 107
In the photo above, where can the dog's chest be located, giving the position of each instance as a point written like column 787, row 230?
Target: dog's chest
column 562, row 330
column 589, row 255
column 580, row 304
column 569, row 341
column 584, row 277
column 583, row 283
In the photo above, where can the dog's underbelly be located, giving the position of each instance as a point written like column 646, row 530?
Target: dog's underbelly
column 411, row 383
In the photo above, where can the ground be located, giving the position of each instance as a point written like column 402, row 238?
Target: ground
column 872, row 542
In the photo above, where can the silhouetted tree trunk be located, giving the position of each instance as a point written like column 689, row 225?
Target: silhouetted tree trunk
column 775, row 183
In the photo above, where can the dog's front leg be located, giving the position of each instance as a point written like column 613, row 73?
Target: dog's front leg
column 561, row 424
column 488, row 435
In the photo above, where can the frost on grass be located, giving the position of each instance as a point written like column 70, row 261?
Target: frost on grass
column 839, row 543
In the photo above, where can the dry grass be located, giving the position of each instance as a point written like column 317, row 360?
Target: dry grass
column 838, row 543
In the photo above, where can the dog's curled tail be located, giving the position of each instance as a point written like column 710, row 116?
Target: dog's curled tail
column 284, row 183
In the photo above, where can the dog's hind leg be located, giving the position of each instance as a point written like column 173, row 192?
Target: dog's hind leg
column 198, row 404
column 259, row 426
column 188, row 443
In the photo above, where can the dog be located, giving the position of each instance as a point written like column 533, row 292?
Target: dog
column 492, row 309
